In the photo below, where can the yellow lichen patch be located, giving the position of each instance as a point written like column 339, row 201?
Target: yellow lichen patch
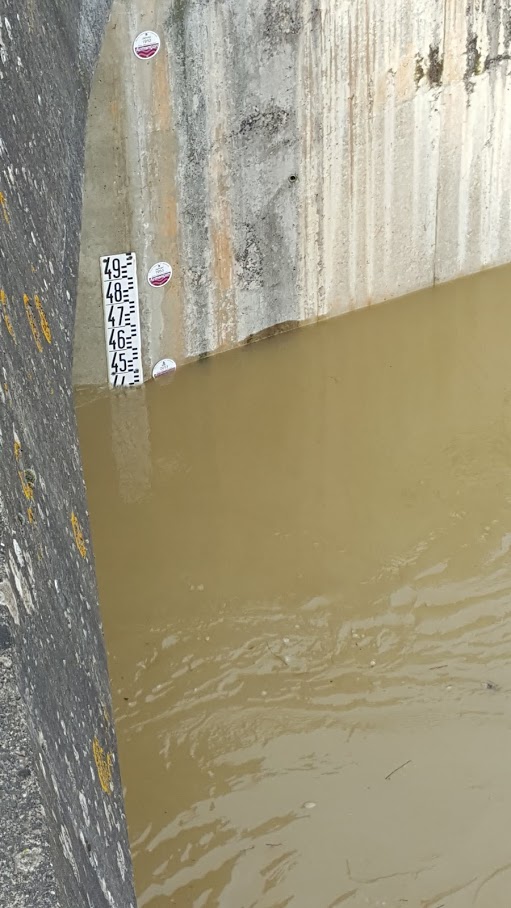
column 31, row 321
column 28, row 491
column 77, row 531
column 8, row 325
column 45, row 328
column 3, row 206
column 5, row 314
column 103, row 765
column 27, row 479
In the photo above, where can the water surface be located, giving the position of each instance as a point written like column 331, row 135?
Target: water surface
column 304, row 560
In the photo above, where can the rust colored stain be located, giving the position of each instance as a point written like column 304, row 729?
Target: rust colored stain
column 6, row 317
column 161, row 113
column 26, row 486
column 3, row 206
column 221, row 235
column 45, row 328
column 31, row 320
column 78, row 534
column 103, row 763
column 222, row 258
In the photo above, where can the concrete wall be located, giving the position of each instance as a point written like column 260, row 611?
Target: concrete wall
column 394, row 117
column 63, row 835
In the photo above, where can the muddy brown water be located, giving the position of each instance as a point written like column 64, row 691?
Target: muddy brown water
column 304, row 560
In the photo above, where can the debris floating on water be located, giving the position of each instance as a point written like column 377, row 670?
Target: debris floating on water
column 490, row 685
column 284, row 659
column 402, row 766
column 309, row 805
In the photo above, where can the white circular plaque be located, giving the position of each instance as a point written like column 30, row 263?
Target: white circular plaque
column 146, row 45
column 164, row 367
column 160, row 274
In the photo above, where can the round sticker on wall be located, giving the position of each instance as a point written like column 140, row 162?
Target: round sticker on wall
column 146, row 45
column 160, row 274
column 164, row 367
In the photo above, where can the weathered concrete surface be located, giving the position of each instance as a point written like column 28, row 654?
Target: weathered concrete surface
column 26, row 869
column 62, row 832
column 394, row 117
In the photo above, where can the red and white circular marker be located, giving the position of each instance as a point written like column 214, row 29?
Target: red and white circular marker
column 164, row 367
column 146, row 45
column 160, row 274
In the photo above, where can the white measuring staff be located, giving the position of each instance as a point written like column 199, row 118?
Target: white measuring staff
column 122, row 319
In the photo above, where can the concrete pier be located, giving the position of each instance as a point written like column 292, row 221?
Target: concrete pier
column 63, row 839
column 292, row 160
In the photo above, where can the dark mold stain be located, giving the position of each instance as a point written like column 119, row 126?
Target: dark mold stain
column 272, row 331
column 473, row 65
column 248, row 260
column 432, row 68
column 435, row 65
column 196, row 277
column 268, row 121
column 419, row 69
column 281, row 23
column 492, row 62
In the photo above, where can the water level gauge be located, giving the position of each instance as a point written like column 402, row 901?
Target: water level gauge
column 122, row 319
